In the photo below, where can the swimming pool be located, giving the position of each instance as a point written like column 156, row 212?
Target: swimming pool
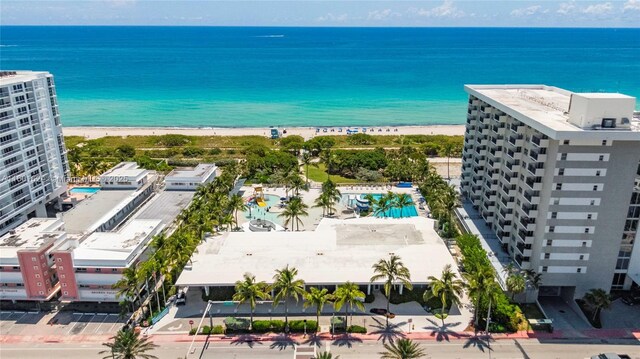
column 256, row 212
column 406, row 211
column 84, row 190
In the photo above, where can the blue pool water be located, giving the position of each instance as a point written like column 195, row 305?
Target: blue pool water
column 406, row 211
column 84, row 190
column 256, row 212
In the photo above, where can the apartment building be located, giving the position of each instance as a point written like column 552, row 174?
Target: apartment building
column 33, row 161
column 554, row 175
column 190, row 178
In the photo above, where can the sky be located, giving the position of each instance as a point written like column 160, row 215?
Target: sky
column 475, row 13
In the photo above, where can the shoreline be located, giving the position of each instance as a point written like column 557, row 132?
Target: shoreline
column 91, row 132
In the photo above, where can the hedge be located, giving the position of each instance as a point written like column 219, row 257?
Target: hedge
column 265, row 326
column 297, row 326
column 206, row 330
column 357, row 329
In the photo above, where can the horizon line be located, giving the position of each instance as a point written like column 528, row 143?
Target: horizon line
column 320, row 27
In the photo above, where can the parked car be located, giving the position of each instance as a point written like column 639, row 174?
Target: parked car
column 631, row 299
column 611, row 356
column 381, row 311
column 181, row 298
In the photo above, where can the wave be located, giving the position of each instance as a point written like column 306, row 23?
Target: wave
column 269, row 36
column 8, row 45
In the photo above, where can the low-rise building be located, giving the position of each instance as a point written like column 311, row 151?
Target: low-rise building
column 188, row 179
column 124, row 175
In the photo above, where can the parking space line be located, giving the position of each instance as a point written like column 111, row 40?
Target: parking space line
column 114, row 323
column 76, row 322
column 87, row 325
column 102, row 322
column 16, row 321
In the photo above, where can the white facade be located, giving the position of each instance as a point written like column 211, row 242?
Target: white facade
column 552, row 173
column 188, row 179
column 125, row 175
column 33, row 166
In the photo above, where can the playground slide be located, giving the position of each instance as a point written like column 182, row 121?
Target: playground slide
column 261, row 202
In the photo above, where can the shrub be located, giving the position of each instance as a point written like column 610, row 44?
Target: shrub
column 297, row 326
column 217, row 329
column 192, row 331
column 277, row 325
column 205, row 330
column 361, row 139
column 261, row 326
column 192, row 152
column 236, row 324
column 357, row 329
column 338, row 323
column 215, row 151
column 173, row 140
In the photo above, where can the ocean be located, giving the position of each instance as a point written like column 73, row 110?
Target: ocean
column 267, row 76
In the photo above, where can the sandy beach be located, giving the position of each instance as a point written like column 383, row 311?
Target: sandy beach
column 306, row 132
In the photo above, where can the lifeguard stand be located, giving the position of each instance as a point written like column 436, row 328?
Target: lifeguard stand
column 258, row 194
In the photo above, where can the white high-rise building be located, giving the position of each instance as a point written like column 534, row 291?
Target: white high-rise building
column 33, row 161
column 556, row 176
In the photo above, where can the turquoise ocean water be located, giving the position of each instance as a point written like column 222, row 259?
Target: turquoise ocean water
column 253, row 76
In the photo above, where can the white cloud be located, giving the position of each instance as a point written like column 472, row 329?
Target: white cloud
column 447, row 9
column 632, row 5
column 528, row 11
column 380, row 15
column 598, row 9
column 566, row 8
column 333, row 18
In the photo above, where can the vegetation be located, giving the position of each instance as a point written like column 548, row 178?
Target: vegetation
column 248, row 290
column 348, row 295
column 128, row 344
column 402, row 349
column 393, row 271
column 318, row 298
column 286, row 286
column 447, row 288
column 326, row 355
column 442, row 199
column 596, row 300
column 516, row 284
column 292, row 212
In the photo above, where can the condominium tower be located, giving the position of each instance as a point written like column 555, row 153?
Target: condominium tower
column 556, row 176
column 33, row 162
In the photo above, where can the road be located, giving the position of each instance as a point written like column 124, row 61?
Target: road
column 503, row 349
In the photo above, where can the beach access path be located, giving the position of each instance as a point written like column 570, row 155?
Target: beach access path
column 306, row 132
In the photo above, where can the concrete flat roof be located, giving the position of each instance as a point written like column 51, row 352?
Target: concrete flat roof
column 165, row 206
column 32, row 234
column 125, row 170
column 200, row 172
column 84, row 216
column 21, row 76
column 545, row 108
column 336, row 252
column 116, row 245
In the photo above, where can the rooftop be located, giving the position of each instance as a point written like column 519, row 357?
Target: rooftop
column 11, row 77
column 125, row 170
column 337, row 251
column 200, row 171
column 165, row 206
column 117, row 245
column 32, row 234
column 84, row 216
column 546, row 108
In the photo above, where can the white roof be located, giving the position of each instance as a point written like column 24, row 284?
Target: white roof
column 32, row 234
column 199, row 173
column 21, row 76
column 545, row 108
column 125, row 170
column 336, row 252
column 117, row 245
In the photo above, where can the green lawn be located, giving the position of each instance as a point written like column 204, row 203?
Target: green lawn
column 319, row 174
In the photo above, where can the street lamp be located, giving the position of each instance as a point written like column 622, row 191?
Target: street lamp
column 305, row 327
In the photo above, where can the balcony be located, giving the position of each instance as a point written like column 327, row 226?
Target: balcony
column 538, row 142
column 531, row 197
column 537, row 169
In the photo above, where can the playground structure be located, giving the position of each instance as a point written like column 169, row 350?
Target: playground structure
column 258, row 196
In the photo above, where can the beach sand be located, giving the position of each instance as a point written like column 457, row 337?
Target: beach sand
column 306, row 132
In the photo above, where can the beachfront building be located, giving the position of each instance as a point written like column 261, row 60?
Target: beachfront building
column 554, row 175
column 188, row 179
column 337, row 251
column 124, row 175
column 33, row 165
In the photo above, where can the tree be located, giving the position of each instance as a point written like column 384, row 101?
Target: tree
column 533, row 279
column 447, row 288
column 392, row 271
column 128, row 344
column 127, row 286
column 348, row 295
column 402, row 200
column 598, row 299
column 296, row 183
column 236, row 203
column 287, row 286
column 478, row 286
column 293, row 211
column 326, row 355
column 448, row 150
column 402, row 349
column 125, row 152
column 306, row 160
column 318, row 298
column 516, row 284
column 248, row 290
column 325, row 203
column 332, row 192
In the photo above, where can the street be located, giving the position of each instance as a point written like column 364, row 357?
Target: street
column 501, row 349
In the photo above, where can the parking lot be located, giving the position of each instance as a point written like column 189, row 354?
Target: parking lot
column 61, row 323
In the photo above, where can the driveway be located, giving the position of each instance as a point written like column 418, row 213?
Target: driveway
column 564, row 317
column 620, row 316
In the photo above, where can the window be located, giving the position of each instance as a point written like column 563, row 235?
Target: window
column 36, row 268
column 33, row 259
column 598, row 173
column 565, row 142
column 544, row 269
column 98, row 270
column 601, row 158
column 554, row 215
column 604, row 142
column 582, row 257
column 586, row 230
column 59, row 259
column 549, row 242
column 561, row 172
column 552, row 229
column 64, row 284
column 39, row 284
column 65, row 293
column 595, row 188
column 593, row 202
column 60, row 267
column 563, row 157
column 37, row 275
column 589, row 216
column 584, row 244
column 114, row 269
column 41, row 292
column 558, row 186
column 579, row 270
column 547, row 255
column 62, row 276
column 556, row 201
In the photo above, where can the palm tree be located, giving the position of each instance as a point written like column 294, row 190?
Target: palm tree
column 325, row 203
column 402, row 349
column 127, row 286
column 128, row 344
column 448, row 150
column 533, row 279
column 478, row 285
column 447, row 288
column 318, row 298
column 287, row 286
column 331, row 191
column 248, row 290
column 326, row 355
column 384, row 204
column 293, row 211
column 597, row 299
column 236, row 203
column 392, row 271
column 306, row 159
column 516, row 284
column 348, row 295
column 296, row 183
column 402, row 200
